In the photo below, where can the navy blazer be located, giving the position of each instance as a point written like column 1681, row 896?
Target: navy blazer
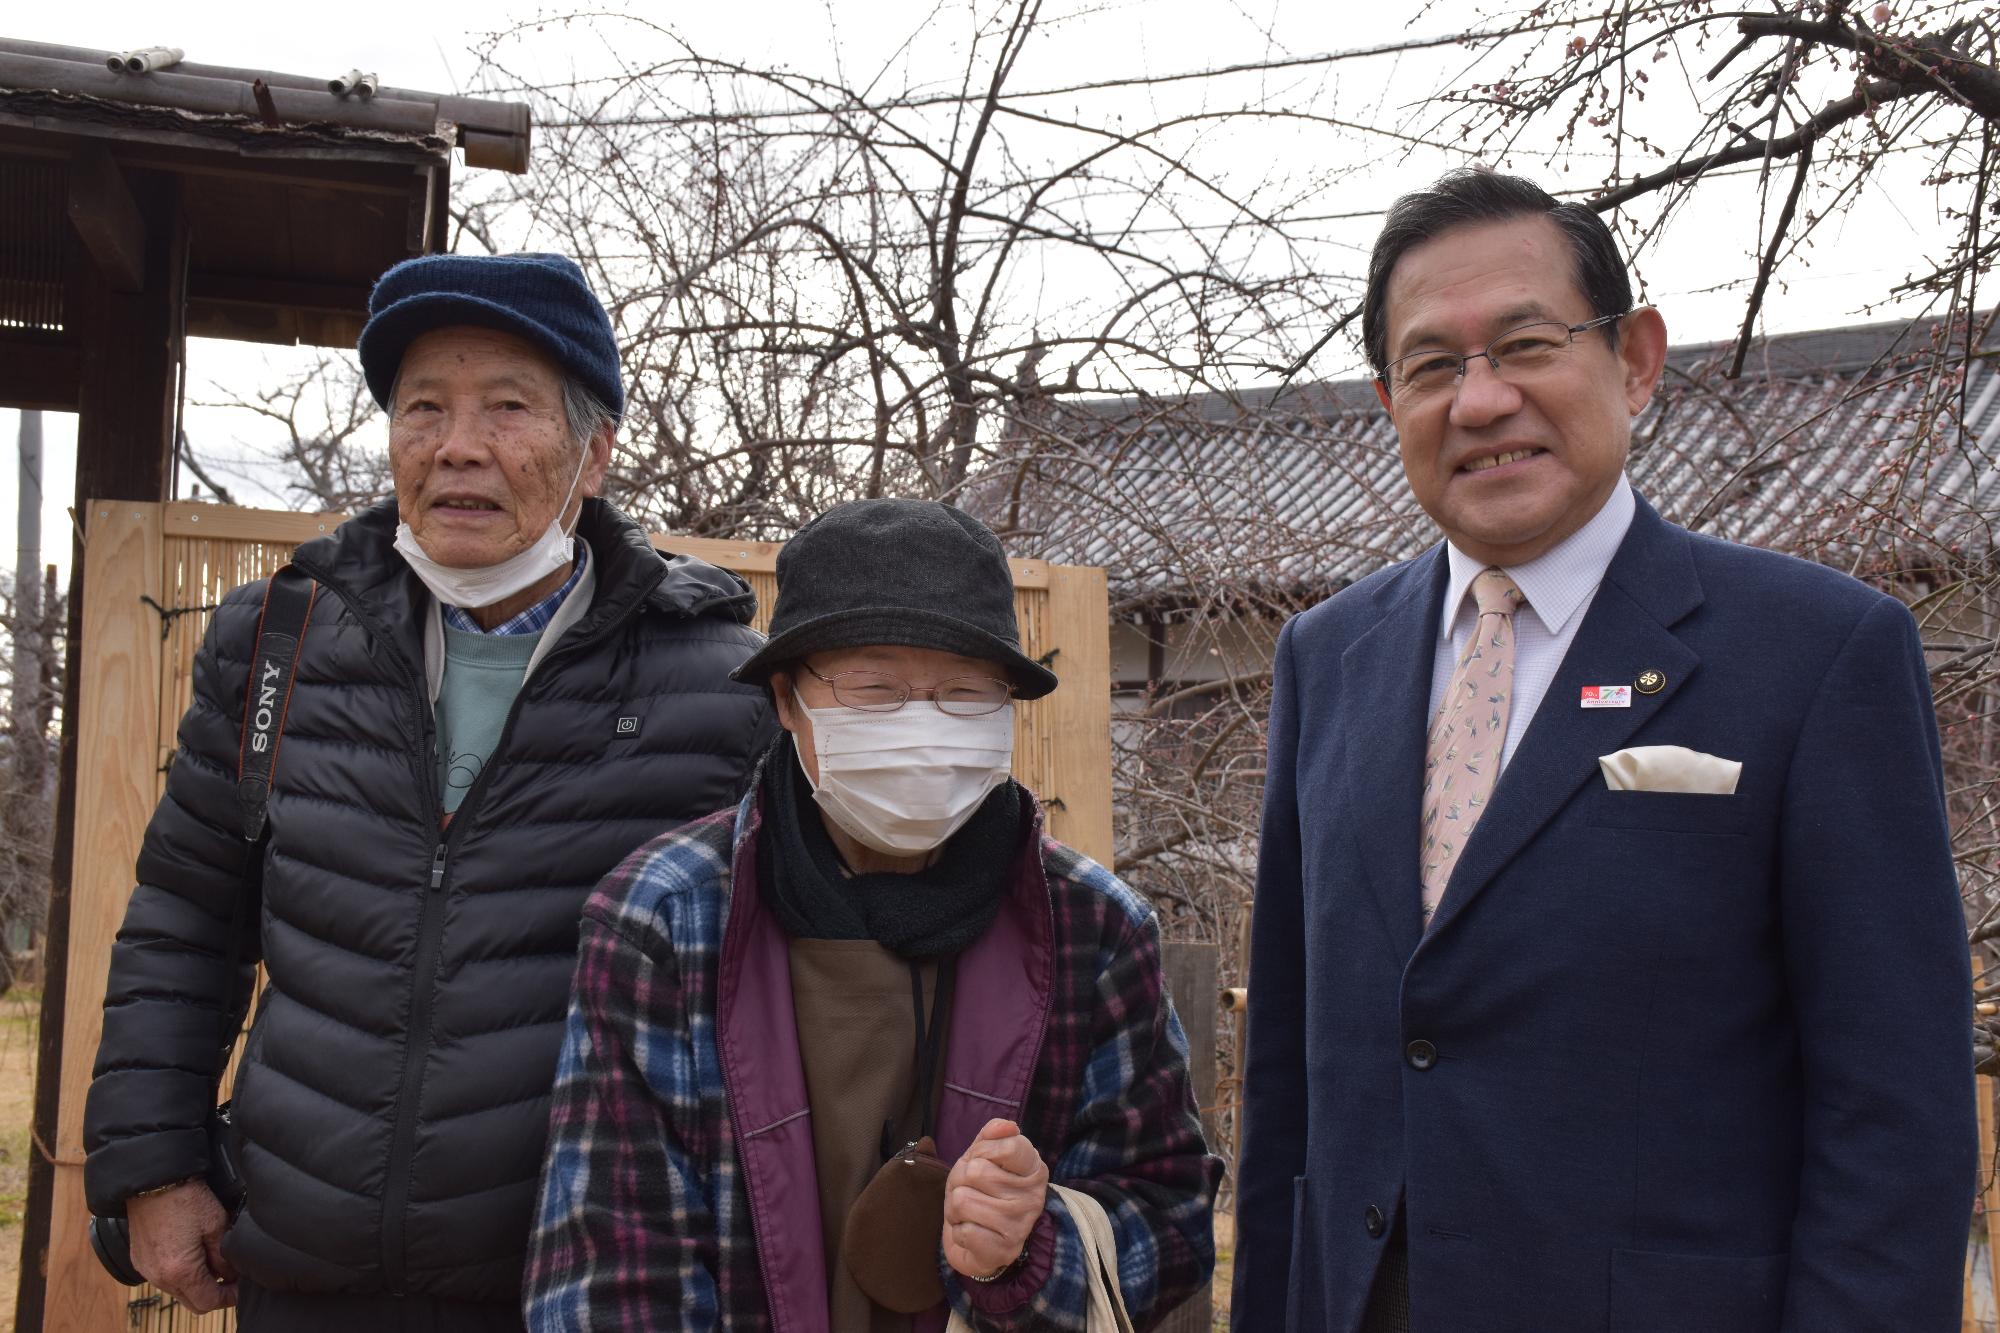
column 1667, row 1063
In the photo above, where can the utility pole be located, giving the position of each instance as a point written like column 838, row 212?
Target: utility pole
column 24, row 812
column 28, row 565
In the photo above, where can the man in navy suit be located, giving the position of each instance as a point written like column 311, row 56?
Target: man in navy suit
column 1609, row 970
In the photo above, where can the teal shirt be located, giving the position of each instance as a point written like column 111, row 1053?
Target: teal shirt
column 482, row 674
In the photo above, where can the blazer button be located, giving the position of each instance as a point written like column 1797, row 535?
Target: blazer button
column 1421, row 1054
column 1374, row 1222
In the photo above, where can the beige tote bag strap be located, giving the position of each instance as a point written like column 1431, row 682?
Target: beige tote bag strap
column 1100, row 1247
column 1100, row 1244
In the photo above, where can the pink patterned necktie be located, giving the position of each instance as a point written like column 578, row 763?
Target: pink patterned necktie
column 1467, row 735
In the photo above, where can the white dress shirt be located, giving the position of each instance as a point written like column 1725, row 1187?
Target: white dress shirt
column 1558, row 584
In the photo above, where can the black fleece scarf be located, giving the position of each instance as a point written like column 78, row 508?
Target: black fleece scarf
column 930, row 913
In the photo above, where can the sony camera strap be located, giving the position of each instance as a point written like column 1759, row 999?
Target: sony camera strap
column 281, row 629
column 281, row 632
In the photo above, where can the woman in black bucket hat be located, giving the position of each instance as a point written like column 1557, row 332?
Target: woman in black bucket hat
column 911, row 572
column 888, row 1050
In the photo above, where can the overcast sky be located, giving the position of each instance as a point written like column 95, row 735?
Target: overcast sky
column 1697, row 279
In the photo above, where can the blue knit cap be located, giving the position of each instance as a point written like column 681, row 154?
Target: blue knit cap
column 540, row 297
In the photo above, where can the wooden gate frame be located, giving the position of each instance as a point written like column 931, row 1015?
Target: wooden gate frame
column 134, row 685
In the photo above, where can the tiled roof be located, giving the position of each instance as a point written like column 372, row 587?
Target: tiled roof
column 1244, row 496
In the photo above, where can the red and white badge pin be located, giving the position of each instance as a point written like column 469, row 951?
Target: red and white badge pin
column 1607, row 696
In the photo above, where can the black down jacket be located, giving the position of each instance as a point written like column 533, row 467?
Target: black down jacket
column 393, row 1101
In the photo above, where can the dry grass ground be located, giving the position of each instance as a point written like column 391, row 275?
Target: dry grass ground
column 20, row 1012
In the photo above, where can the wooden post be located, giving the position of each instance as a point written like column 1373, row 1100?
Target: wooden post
column 117, row 716
column 1967, row 1323
column 1190, row 970
column 34, row 1265
column 1191, row 982
column 128, row 373
column 1989, row 1185
column 1239, row 1019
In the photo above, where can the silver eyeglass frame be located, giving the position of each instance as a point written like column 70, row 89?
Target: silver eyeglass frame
column 910, row 691
column 1388, row 375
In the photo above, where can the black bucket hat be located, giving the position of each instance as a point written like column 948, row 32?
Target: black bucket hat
column 911, row 572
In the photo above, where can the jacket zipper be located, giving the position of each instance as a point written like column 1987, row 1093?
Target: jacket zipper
column 430, row 929
column 430, row 934
column 423, row 994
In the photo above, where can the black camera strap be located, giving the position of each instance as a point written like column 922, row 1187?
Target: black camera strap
column 281, row 633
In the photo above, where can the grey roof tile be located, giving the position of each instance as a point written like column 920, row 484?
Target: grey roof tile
column 1240, row 496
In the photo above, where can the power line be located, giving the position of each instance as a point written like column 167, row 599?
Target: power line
column 916, row 241
column 921, row 101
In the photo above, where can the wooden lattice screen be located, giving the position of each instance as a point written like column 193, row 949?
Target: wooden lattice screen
column 151, row 573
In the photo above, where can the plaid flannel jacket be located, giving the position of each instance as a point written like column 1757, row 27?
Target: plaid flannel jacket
column 644, row 1221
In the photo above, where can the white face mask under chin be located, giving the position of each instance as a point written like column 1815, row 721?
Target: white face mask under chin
column 904, row 782
column 554, row 550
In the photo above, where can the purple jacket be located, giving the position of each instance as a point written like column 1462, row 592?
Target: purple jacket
column 679, row 1191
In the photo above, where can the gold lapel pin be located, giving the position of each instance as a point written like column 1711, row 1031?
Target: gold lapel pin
column 1650, row 681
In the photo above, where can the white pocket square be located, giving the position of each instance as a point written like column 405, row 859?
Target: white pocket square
column 1670, row 768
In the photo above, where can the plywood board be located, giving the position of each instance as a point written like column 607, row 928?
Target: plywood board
column 185, row 556
column 190, row 518
column 1078, row 714
column 187, row 518
column 118, row 700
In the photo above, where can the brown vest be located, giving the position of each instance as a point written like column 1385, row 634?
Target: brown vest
column 857, row 1040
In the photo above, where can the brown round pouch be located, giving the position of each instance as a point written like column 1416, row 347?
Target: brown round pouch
column 891, row 1237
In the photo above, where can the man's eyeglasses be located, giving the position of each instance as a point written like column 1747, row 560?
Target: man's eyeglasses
column 1516, row 354
column 879, row 692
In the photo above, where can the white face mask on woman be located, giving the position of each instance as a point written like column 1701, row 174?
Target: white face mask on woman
column 554, row 550
column 903, row 782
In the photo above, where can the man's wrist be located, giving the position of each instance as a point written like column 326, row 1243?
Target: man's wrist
column 167, row 1188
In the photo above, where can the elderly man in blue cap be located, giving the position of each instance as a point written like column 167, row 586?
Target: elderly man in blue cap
column 501, row 689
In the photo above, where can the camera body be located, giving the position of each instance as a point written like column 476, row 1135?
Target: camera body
column 111, row 1237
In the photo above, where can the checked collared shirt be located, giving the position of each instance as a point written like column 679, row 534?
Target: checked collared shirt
column 531, row 621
